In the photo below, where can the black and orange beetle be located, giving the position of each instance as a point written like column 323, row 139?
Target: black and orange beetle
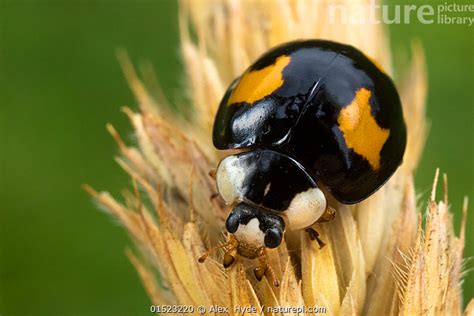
column 306, row 114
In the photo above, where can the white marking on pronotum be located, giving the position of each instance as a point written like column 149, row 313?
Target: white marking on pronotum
column 230, row 177
column 251, row 234
column 306, row 208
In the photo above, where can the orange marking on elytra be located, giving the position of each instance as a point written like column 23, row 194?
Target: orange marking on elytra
column 361, row 131
column 257, row 84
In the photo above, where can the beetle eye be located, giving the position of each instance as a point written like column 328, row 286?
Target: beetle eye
column 232, row 223
column 273, row 238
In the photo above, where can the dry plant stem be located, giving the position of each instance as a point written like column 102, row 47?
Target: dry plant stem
column 378, row 259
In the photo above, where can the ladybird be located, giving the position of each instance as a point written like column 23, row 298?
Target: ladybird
column 306, row 115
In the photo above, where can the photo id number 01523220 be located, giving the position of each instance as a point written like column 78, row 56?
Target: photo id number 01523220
column 172, row 309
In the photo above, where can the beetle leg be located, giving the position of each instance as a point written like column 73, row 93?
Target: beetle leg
column 314, row 235
column 328, row 215
column 229, row 257
column 264, row 269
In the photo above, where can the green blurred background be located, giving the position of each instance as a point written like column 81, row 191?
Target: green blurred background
column 60, row 83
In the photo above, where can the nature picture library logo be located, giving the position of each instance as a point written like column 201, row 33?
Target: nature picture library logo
column 372, row 13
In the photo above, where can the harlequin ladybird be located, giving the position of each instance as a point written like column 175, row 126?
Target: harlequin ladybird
column 307, row 114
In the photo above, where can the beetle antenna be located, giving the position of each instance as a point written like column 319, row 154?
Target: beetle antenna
column 203, row 258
